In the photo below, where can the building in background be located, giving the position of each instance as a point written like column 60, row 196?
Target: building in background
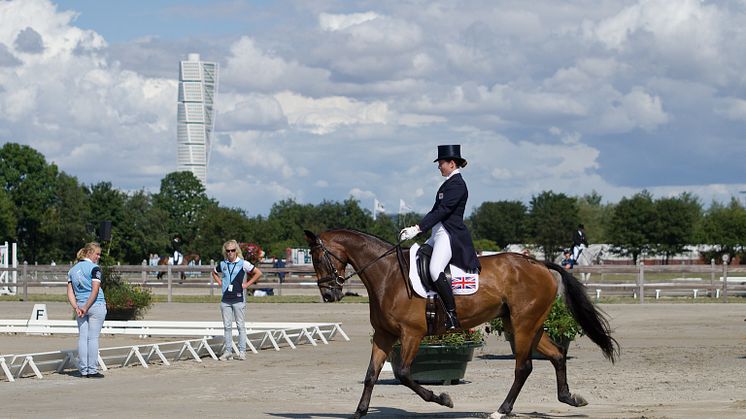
column 198, row 84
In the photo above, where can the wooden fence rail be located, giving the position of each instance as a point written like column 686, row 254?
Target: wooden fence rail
column 639, row 281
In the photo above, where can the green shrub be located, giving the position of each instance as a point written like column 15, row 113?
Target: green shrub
column 121, row 295
column 456, row 338
column 559, row 325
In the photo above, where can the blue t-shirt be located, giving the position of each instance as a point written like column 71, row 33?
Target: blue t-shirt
column 81, row 276
column 233, row 274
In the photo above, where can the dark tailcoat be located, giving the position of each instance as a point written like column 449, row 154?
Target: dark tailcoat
column 450, row 204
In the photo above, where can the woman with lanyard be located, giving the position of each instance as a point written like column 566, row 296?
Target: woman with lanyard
column 231, row 274
column 450, row 239
column 87, row 298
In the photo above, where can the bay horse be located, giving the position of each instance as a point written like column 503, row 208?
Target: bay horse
column 516, row 288
column 185, row 260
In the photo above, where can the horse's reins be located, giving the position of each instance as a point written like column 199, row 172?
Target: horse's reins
column 339, row 279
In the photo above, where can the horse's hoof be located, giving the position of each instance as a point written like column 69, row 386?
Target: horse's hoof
column 574, row 400
column 445, row 400
column 579, row 400
column 504, row 410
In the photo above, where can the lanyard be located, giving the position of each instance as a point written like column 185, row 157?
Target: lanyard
column 230, row 269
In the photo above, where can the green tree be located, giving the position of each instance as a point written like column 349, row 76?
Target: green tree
column 66, row 219
column 7, row 218
column 724, row 226
column 676, row 220
column 552, row 219
column 594, row 216
column 632, row 224
column 503, row 222
column 182, row 196
column 219, row 225
column 29, row 181
column 142, row 230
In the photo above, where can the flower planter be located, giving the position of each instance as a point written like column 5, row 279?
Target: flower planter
column 120, row 313
column 438, row 364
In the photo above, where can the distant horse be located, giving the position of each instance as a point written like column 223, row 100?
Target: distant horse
column 186, row 260
column 516, row 288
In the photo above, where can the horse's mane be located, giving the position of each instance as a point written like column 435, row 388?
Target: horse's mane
column 368, row 235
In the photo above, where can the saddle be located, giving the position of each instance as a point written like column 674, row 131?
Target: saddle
column 462, row 283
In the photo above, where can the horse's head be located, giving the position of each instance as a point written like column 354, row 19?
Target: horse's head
column 329, row 266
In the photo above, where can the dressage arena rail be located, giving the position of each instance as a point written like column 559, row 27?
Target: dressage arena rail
column 715, row 281
column 197, row 277
column 260, row 335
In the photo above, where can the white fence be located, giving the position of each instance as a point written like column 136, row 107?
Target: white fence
column 8, row 277
column 260, row 335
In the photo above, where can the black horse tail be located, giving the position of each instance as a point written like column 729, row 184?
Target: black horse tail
column 590, row 318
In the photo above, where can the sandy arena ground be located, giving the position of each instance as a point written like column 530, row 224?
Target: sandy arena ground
column 677, row 361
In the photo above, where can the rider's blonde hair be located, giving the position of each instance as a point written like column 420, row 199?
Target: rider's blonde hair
column 233, row 245
column 88, row 250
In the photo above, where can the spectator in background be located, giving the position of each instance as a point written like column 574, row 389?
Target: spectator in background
column 234, row 275
column 567, row 260
column 87, row 298
column 279, row 263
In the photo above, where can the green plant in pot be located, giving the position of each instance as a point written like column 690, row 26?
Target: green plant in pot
column 560, row 326
column 124, row 301
column 442, row 359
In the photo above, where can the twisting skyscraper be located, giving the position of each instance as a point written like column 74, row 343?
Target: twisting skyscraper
column 198, row 84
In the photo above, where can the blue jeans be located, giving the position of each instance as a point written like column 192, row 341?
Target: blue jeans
column 89, row 327
column 231, row 312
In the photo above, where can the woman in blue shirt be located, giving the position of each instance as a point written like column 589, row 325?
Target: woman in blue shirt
column 87, row 298
column 234, row 275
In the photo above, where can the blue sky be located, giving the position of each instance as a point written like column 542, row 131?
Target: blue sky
column 331, row 99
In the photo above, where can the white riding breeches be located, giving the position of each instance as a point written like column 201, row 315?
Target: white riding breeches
column 177, row 258
column 576, row 250
column 440, row 240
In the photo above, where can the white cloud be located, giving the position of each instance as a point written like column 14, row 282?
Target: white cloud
column 335, row 22
column 249, row 68
column 540, row 95
column 322, row 116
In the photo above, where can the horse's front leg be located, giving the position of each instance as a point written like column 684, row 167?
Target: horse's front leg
column 382, row 343
column 409, row 347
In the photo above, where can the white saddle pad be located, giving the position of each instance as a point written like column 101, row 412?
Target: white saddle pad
column 462, row 283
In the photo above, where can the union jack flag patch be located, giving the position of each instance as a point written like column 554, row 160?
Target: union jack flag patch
column 465, row 284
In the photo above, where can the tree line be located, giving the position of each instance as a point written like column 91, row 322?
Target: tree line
column 50, row 214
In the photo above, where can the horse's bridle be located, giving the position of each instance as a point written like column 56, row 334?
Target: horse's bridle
column 336, row 279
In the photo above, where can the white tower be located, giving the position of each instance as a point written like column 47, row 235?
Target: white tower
column 198, row 84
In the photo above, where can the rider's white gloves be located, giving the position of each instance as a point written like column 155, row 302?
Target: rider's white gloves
column 409, row 232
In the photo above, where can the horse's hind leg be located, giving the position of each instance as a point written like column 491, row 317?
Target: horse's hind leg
column 559, row 360
column 409, row 346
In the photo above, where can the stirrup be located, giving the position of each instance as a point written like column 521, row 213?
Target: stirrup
column 452, row 322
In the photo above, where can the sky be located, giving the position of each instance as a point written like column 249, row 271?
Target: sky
column 326, row 100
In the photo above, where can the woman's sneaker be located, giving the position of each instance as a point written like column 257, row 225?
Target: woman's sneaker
column 226, row 356
column 242, row 356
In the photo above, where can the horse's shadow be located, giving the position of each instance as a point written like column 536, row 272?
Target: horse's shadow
column 389, row 412
column 511, row 357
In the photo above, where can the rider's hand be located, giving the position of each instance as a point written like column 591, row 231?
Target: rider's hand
column 409, row 232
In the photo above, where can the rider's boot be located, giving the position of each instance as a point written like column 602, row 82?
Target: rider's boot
column 443, row 287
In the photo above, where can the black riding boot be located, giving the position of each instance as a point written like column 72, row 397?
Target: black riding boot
column 443, row 287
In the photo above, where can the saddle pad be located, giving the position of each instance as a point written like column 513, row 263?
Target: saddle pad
column 462, row 283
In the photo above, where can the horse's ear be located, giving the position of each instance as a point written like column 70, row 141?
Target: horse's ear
column 311, row 238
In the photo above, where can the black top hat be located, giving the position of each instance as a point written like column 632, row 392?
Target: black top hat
column 450, row 152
